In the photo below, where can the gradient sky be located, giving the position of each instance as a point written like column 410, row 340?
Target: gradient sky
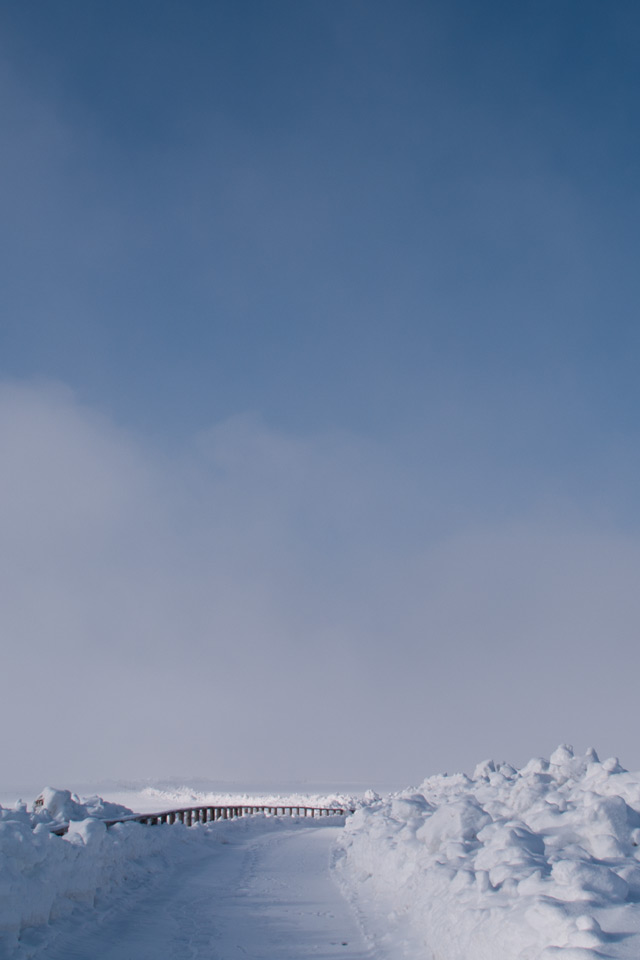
column 319, row 386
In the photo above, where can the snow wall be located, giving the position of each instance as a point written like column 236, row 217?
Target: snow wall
column 540, row 863
column 44, row 877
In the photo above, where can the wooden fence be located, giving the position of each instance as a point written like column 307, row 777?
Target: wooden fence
column 207, row 814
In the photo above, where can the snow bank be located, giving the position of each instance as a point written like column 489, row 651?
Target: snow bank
column 541, row 863
column 44, row 877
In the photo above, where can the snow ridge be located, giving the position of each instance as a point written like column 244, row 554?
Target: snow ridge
column 541, row 863
column 44, row 877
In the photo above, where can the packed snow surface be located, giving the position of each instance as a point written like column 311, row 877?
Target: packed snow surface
column 541, row 863
column 260, row 889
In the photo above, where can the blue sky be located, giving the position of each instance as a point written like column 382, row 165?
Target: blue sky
column 362, row 272
column 230, row 205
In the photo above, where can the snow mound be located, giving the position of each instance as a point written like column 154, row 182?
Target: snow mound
column 61, row 806
column 44, row 877
column 540, row 863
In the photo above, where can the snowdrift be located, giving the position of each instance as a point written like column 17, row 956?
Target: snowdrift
column 44, row 877
column 541, row 863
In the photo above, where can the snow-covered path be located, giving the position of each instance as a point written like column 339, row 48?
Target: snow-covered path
column 264, row 894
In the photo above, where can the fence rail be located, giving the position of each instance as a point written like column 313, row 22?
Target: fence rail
column 208, row 814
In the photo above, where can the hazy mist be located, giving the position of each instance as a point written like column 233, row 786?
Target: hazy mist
column 261, row 605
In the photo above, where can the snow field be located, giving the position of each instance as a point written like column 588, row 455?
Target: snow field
column 150, row 799
column 540, row 863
